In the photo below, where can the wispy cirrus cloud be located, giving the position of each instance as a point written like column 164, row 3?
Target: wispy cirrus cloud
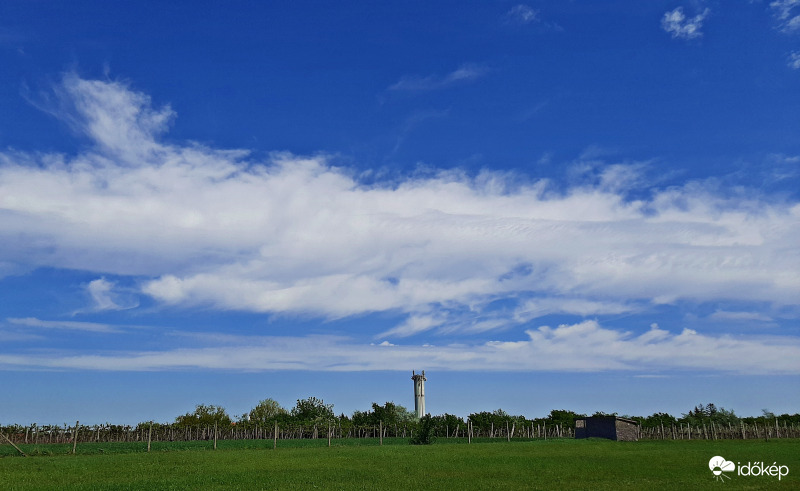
column 522, row 14
column 415, row 83
column 749, row 317
column 70, row 325
column 105, row 297
column 586, row 346
column 794, row 60
column 787, row 13
column 680, row 26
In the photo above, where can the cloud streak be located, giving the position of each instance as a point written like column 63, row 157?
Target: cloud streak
column 787, row 13
column 794, row 60
column 522, row 14
column 415, row 83
column 105, row 297
column 586, row 346
column 680, row 26
column 70, row 325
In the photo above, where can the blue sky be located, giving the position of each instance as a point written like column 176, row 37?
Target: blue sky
column 582, row 205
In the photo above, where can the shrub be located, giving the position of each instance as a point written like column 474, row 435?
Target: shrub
column 424, row 434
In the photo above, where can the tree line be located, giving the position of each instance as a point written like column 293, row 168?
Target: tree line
column 312, row 417
column 312, row 411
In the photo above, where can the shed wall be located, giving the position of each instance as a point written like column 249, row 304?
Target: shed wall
column 611, row 428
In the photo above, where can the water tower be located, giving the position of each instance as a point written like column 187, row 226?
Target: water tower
column 419, row 393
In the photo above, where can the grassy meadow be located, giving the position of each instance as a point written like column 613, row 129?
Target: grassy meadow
column 362, row 464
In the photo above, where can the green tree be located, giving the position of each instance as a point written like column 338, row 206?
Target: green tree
column 496, row 419
column 655, row 420
column 390, row 414
column 709, row 413
column 267, row 411
column 312, row 410
column 482, row 419
column 724, row 417
column 562, row 417
column 447, row 423
column 362, row 418
column 205, row 414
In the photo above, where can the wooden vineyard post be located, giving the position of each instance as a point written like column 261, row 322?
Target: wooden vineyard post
column 149, row 435
column 329, row 434
column 508, row 433
column 469, row 431
column 75, row 438
column 12, row 444
column 275, row 436
column 381, row 431
column 215, row 435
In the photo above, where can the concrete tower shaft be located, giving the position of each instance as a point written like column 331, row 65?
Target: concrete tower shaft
column 419, row 393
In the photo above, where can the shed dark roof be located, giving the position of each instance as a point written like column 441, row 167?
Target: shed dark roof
column 627, row 420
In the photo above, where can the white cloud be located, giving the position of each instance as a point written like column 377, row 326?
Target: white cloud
column 464, row 73
column 586, row 346
column 105, row 298
column 680, row 26
column 121, row 121
column 415, row 324
column 292, row 234
column 540, row 307
column 522, row 14
column 794, row 60
column 71, row 325
column 749, row 317
column 787, row 12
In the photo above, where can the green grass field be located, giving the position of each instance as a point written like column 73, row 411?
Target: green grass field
column 362, row 464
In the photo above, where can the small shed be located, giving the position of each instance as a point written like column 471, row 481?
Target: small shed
column 611, row 427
